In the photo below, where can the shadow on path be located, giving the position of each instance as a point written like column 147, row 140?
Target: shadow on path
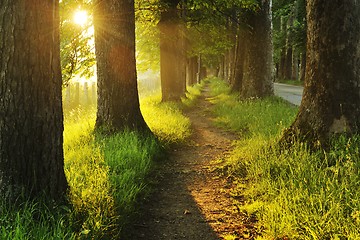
column 191, row 200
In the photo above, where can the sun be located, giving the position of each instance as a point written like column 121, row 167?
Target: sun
column 81, row 17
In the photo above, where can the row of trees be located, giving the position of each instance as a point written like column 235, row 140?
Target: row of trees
column 31, row 123
column 319, row 37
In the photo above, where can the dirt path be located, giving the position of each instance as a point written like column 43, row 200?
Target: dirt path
column 192, row 201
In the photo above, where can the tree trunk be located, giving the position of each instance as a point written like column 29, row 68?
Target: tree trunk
column 289, row 51
column 303, row 66
column 282, row 60
column 230, row 64
column 236, row 85
column 118, row 100
column 199, row 66
column 331, row 100
column 288, row 63
column 31, row 122
column 192, row 68
column 233, row 32
column 221, row 73
column 295, row 66
column 282, row 64
column 257, row 80
column 172, row 53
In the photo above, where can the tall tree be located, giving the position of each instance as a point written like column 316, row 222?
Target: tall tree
column 331, row 100
column 172, row 52
column 31, row 122
column 237, row 80
column 118, row 100
column 257, row 79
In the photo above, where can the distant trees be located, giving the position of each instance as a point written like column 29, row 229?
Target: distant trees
column 31, row 122
column 289, row 24
column 248, row 64
column 331, row 100
column 118, row 100
column 207, row 39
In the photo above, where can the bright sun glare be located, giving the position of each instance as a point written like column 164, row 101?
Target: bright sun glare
column 80, row 17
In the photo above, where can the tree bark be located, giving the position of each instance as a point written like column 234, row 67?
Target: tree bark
column 31, row 120
column 303, row 66
column 192, row 70
column 172, row 53
column 331, row 100
column 288, row 63
column 236, row 85
column 221, row 73
column 257, row 80
column 289, row 51
column 118, row 100
column 282, row 61
column 295, row 66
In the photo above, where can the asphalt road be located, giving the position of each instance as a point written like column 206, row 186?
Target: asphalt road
column 291, row 93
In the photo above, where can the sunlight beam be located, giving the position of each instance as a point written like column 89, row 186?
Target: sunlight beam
column 80, row 17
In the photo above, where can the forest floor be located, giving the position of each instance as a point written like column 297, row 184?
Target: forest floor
column 192, row 199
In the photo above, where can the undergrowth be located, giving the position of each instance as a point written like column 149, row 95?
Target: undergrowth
column 165, row 119
column 295, row 193
column 107, row 176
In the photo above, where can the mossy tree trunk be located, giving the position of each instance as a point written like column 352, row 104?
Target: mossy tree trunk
column 118, row 99
column 331, row 100
column 31, row 120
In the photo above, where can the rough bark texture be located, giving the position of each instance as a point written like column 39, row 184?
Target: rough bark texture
column 302, row 67
column 172, row 53
column 331, row 101
column 31, row 122
column 257, row 80
column 118, row 100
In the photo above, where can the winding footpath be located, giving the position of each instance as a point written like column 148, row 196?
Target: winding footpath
column 193, row 199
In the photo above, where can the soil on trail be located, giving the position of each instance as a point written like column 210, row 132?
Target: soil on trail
column 192, row 201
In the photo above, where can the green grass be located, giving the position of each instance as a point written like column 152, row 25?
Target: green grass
column 31, row 220
column 295, row 193
column 107, row 176
column 291, row 82
column 165, row 119
column 192, row 95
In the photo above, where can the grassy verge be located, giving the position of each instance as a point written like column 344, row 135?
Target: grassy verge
column 107, row 175
column 33, row 220
column 296, row 194
column 165, row 119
